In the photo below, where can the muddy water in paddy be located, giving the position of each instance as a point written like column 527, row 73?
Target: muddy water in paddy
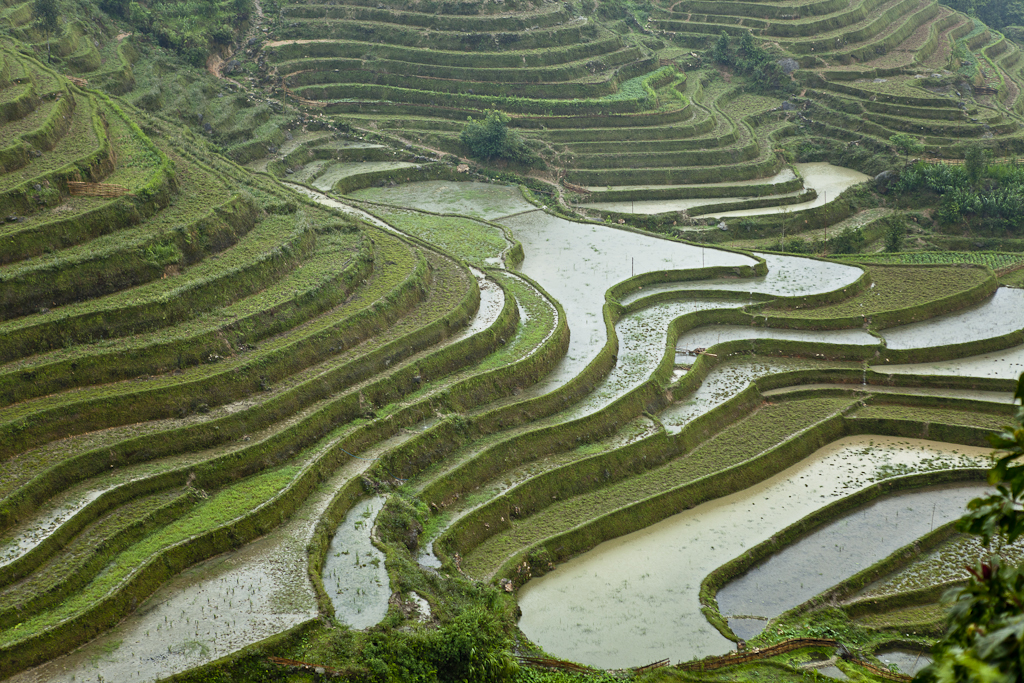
column 577, row 263
column 828, row 180
column 840, row 549
column 664, row 205
column 327, row 177
column 479, row 200
column 708, row 336
column 633, row 600
column 787, row 276
column 1006, row 364
column 1001, row 314
column 728, row 379
column 643, row 340
column 210, row 610
column 354, row 573
column 908, row 661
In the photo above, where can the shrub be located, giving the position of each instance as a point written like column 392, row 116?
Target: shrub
column 492, row 139
column 849, row 241
column 894, row 233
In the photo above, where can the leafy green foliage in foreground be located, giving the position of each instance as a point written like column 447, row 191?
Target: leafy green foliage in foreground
column 985, row 624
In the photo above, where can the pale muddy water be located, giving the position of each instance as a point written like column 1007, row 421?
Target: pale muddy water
column 22, row 538
column 1005, row 364
column 210, row 610
column 327, row 177
column 643, row 341
column 945, row 563
column 577, row 262
column 728, row 379
column 655, row 206
column 1001, row 314
column 780, row 177
column 492, row 300
column 340, row 206
column 634, row 600
column 479, row 200
column 840, row 549
column 299, row 137
column 906, row 661
column 828, row 180
column 709, row 335
column 1004, row 397
column 787, row 276
column 354, row 574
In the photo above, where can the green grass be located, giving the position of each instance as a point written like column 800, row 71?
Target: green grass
column 739, row 443
column 992, row 259
column 223, row 507
column 894, row 288
column 467, row 239
column 948, row 416
column 78, row 143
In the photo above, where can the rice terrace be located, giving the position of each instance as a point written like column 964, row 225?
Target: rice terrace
column 510, row 340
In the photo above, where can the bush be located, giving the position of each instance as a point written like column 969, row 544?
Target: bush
column 492, row 139
column 849, row 241
column 894, row 233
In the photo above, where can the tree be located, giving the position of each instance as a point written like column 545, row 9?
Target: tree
column 985, row 622
column 47, row 13
column 974, row 161
column 894, row 233
column 849, row 241
column 492, row 139
column 721, row 53
column 907, row 145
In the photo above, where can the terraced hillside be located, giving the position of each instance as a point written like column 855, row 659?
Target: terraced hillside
column 198, row 360
column 629, row 104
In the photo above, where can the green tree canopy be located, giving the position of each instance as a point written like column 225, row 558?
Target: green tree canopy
column 47, row 13
column 492, row 139
column 906, row 144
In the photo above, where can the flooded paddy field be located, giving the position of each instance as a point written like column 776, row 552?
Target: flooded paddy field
column 787, row 276
column 489, row 201
column 840, row 549
column 1001, row 314
column 829, row 181
column 633, row 600
column 327, row 176
column 1005, row 364
column 354, row 575
column 577, row 262
column 729, row 378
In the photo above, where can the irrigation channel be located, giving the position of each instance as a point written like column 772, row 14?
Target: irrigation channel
column 628, row 601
